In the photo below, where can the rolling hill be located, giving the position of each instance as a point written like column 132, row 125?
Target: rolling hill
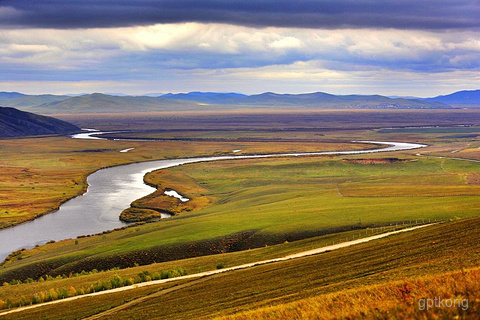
column 325, row 100
column 214, row 101
column 20, row 100
column 197, row 101
column 103, row 103
column 206, row 97
column 16, row 123
column 459, row 98
column 11, row 95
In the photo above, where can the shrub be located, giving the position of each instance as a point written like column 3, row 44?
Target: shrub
column 62, row 293
column 116, row 281
column 128, row 282
column 144, row 276
column 72, row 291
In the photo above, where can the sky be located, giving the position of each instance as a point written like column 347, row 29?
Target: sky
column 418, row 48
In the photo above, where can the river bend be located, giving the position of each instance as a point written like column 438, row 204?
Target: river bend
column 111, row 190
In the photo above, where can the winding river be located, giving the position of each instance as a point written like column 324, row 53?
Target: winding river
column 112, row 189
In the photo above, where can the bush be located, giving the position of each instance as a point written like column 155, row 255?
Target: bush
column 116, row 282
column 62, row 293
column 128, row 282
column 144, row 276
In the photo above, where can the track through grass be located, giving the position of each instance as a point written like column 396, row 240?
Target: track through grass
column 204, row 275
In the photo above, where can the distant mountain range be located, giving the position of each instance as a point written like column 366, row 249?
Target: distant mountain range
column 207, row 97
column 320, row 100
column 460, row 98
column 102, row 103
column 214, row 101
column 20, row 100
column 16, row 123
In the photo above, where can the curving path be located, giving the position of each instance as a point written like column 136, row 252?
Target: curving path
column 203, row 276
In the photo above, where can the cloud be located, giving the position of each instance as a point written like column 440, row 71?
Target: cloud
column 406, row 14
column 286, row 43
column 299, row 77
column 217, row 46
column 9, row 13
column 66, row 87
column 251, row 46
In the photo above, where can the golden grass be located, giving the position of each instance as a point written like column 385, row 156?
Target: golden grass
column 44, row 159
column 256, row 200
column 193, row 265
column 427, row 252
column 435, row 250
column 183, row 184
column 403, row 299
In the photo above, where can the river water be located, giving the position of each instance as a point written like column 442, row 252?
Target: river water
column 111, row 190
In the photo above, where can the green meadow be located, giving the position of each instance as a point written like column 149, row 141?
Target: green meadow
column 257, row 203
column 373, row 280
column 247, row 210
column 38, row 174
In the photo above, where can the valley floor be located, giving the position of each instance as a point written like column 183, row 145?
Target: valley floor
column 246, row 211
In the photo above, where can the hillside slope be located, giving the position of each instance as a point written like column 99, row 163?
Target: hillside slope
column 465, row 97
column 325, row 100
column 206, row 97
column 20, row 100
column 16, row 123
column 103, row 103
column 317, row 100
column 208, row 101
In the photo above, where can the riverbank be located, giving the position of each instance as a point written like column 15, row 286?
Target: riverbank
column 111, row 190
column 39, row 174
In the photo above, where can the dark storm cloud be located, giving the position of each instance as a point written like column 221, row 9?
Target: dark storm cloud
column 398, row 14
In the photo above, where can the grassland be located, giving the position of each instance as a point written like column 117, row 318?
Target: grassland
column 425, row 262
column 278, row 206
column 153, row 205
column 426, row 252
column 452, row 295
column 37, row 175
column 279, row 120
column 269, row 202
column 17, row 293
